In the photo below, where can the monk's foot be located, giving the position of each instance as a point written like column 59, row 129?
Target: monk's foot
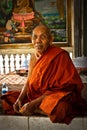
column 40, row 112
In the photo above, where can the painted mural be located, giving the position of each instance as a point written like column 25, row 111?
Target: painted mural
column 53, row 13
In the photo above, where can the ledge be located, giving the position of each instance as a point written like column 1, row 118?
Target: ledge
column 39, row 123
column 20, row 48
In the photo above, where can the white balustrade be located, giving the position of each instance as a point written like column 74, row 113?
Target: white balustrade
column 1, row 65
column 10, row 63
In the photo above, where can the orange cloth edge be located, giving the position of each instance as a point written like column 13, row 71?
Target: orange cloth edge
column 50, row 101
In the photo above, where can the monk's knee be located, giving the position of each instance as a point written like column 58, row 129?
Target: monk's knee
column 60, row 112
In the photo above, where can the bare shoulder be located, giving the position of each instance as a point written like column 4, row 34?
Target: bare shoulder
column 33, row 59
column 31, row 64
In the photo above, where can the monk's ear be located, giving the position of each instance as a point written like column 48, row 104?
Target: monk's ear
column 51, row 39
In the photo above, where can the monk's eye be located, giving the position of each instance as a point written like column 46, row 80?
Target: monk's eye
column 34, row 37
column 42, row 37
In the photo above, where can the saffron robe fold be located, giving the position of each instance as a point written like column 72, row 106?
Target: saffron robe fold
column 55, row 75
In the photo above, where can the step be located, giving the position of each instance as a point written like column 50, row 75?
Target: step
column 39, row 123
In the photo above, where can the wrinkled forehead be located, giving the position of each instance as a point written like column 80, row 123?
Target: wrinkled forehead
column 42, row 30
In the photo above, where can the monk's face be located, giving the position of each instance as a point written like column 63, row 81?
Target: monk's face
column 41, row 38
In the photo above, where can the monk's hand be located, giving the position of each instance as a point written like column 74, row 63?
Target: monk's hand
column 17, row 106
column 28, row 109
column 38, row 55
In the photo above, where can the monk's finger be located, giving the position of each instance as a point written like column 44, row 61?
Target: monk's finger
column 16, row 108
column 20, row 105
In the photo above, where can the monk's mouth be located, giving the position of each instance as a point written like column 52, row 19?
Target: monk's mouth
column 38, row 46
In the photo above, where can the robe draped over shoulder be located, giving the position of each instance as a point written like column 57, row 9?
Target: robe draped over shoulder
column 54, row 75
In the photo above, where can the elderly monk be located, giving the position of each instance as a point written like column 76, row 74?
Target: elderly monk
column 53, row 86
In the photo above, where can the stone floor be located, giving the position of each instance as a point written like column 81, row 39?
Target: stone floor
column 39, row 123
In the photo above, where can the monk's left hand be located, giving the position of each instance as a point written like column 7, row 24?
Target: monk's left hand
column 28, row 109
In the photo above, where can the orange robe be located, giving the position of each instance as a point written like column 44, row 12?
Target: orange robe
column 55, row 75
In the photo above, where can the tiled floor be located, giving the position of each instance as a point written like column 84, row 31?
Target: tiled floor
column 13, row 123
column 39, row 123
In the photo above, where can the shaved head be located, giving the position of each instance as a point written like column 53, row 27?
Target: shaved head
column 43, row 27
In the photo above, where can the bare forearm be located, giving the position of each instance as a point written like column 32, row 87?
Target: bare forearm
column 31, row 65
column 23, row 92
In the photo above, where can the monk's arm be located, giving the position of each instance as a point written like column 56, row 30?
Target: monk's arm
column 23, row 92
column 30, row 68
column 18, row 104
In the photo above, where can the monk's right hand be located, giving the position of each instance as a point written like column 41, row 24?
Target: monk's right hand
column 17, row 105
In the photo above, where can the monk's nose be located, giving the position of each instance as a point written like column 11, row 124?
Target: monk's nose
column 38, row 39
